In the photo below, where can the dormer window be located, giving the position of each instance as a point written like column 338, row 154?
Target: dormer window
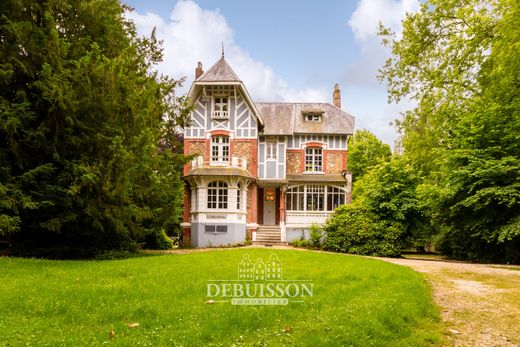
column 221, row 107
column 313, row 117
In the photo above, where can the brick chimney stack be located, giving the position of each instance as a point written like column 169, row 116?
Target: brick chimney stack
column 198, row 70
column 336, row 96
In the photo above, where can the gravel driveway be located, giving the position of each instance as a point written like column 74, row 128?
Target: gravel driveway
column 480, row 303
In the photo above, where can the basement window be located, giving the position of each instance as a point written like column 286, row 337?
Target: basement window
column 215, row 228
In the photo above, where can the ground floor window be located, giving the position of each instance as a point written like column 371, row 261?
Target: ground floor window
column 217, row 195
column 315, row 197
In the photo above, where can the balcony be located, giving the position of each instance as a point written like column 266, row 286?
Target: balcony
column 220, row 114
column 234, row 167
column 235, row 162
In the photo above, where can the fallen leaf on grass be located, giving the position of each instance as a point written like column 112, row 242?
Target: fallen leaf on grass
column 209, row 302
column 133, row 325
column 111, row 334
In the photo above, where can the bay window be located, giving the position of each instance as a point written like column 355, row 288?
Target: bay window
column 217, row 195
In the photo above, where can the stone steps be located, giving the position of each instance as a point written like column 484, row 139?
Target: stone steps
column 269, row 235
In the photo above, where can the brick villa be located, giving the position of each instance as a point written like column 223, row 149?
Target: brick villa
column 262, row 171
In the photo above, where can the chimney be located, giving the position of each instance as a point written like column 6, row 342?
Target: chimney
column 336, row 96
column 198, row 70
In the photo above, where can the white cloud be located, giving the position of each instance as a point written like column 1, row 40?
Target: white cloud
column 192, row 34
column 364, row 23
column 369, row 13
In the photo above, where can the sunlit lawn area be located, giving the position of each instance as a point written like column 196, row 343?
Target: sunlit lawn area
column 356, row 301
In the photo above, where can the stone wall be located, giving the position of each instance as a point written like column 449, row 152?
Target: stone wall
column 334, row 162
column 294, row 162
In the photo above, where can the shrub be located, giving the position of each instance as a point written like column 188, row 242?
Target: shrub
column 158, row 240
column 301, row 243
column 355, row 229
column 316, row 236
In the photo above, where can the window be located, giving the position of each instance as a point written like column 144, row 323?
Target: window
column 238, row 196
column 220, row 149
column 217, row 195
column 220, row 108
column 294, row 198
column 270, row 148
column 335, row 198
column 313, row 160
column 215, row 228
column 315, row 197
column 313, row 117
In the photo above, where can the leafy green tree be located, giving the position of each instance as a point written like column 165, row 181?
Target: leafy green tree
column 460, row 60
column 86, row 140
column 386, row 214
column 389, row 192
column 365, row 151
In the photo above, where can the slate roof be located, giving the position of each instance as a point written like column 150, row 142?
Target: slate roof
column 220, row 72
column 283, row 118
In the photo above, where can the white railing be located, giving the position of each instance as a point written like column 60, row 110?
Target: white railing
column 306, row 218
column 221, row 114
column 235, row 162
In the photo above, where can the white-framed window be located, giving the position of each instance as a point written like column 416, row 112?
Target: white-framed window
column 221, row 107
column 313, row 117
column 314, row 197
column 239, row 191
column 294, row 198
column 335, row 197
column 313, row 160
column 220, row 149
column 217, row 195
column 270, row 150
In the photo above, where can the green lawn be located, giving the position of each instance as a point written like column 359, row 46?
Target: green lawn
column 356, row 301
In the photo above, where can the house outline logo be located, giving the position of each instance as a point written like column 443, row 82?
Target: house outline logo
column 259, row 283
column 260, row 271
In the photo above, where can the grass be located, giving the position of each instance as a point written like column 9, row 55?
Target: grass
column 357, row 302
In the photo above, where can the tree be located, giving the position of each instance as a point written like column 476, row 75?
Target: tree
column 365, row 151
column 85, row 130
column 460, row 60
column 386, row 214
column 389, row 191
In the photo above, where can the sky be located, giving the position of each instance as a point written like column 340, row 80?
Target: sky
column 290, row 50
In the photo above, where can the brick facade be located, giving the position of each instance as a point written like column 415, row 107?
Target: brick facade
column 246, row 149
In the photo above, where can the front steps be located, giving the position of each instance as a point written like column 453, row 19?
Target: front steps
column 269, row 235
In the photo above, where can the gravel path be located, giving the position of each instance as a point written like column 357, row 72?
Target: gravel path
column 480, row 303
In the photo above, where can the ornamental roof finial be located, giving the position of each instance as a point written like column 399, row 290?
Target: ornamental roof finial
column 222, row 49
